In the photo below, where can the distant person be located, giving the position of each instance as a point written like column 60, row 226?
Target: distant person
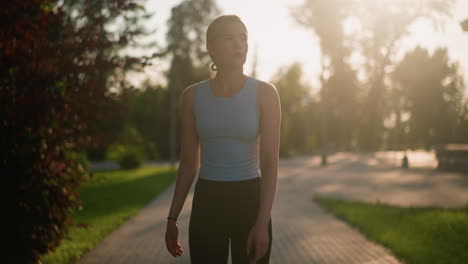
column 231, row 125
column 404, row 161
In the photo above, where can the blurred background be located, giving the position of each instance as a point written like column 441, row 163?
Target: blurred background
column 352, row 75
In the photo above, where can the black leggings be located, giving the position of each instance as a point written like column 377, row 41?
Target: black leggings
column 223, row 210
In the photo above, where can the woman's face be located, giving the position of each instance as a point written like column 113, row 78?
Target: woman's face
column 229, row 48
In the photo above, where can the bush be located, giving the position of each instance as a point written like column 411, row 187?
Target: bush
column 79, row 156
column 95, row 154
column 127, row 156
column 54, row 69
column 130, row 160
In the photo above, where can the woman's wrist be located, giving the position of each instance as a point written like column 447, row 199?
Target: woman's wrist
column 171, row 218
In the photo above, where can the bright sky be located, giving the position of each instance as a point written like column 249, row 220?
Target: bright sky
column 279, row 41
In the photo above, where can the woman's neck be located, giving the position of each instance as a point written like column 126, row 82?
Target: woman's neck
column 227, row 81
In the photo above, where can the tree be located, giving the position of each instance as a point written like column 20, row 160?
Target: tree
column 338, row 94
column 378, row 43
column 54, row 79
column 432, row 92
column 462, row 131
column 378, row 25
column 297, row 122
column 148, row 112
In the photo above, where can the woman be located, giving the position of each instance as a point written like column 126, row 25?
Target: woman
column 231, row 124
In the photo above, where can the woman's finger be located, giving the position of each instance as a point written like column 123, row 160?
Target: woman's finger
column 179, row 249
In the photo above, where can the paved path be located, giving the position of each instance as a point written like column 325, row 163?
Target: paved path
column 372, row 177
column 302, row 231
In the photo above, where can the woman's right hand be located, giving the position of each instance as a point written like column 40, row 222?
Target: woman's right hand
column 172, row 244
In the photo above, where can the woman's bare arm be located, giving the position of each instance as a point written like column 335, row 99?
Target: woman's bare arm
column 190, row 152
column 269, row 148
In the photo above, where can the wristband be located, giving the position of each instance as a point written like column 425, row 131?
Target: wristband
column 172, row 218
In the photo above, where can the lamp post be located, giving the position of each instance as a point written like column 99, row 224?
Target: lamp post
column 323, row 127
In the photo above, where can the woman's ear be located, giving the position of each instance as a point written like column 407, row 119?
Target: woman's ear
column 209, row 49
column 210, row 52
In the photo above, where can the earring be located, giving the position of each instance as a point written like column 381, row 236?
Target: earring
column 213, row 67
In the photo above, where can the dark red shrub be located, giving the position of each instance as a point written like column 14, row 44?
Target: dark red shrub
column 54, row 79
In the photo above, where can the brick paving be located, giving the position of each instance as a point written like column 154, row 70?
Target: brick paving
column 302, row 231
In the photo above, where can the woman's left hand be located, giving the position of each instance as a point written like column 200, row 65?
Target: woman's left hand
column 257, row 242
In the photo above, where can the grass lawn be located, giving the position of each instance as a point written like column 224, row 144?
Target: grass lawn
column 109, row 199
column 417, row 235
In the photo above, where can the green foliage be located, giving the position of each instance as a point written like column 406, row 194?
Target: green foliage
column 186, row 42
column 148, row 113
column 130, row 159
column 127, row 156
column 79, row 156
column 109, row 199
column 353, row 113
column 418, row 235
column 55, row 66
column 186, row 31
column 128, row 150
column 430, row 91
column 297, row 110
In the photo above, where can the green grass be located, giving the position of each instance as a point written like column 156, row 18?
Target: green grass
column 417, row 235
column 109, row 199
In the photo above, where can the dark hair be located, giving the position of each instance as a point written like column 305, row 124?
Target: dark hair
column 210, row 35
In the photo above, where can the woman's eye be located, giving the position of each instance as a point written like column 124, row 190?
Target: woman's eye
column 230, row 38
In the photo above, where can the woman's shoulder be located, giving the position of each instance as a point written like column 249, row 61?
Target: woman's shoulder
column 188, row 93
column 266, row 91
column 187, row 96
column 264, row 86
column 190, row 90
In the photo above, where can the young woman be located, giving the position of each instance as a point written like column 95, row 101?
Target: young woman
column 231, row 125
